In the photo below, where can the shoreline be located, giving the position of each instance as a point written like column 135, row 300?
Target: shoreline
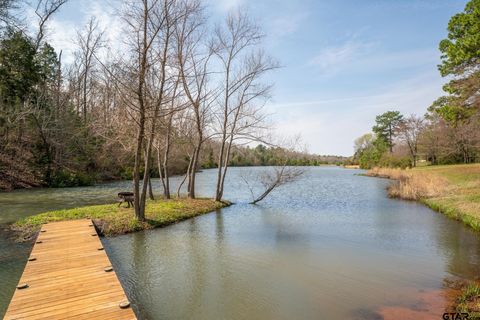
column 112, row 180
column 452, row 190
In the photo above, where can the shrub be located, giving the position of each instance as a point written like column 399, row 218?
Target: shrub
column 63, row 178
column 390, row 161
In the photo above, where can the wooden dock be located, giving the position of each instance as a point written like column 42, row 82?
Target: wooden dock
column 69, row 276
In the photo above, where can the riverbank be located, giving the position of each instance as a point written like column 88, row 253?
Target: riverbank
column 113, row 220
column 453, row 190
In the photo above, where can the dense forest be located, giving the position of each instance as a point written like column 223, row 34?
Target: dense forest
column 450, row 130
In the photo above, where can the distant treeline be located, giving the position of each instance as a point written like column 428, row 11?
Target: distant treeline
column 450, row 130
column 246, row 156
column 269, row 156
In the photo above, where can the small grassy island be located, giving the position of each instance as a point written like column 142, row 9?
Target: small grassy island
column 110, row 219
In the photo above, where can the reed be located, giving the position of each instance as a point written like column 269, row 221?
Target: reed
column 453, row 190
column 412, row 185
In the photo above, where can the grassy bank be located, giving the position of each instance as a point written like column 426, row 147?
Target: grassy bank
column 453, row 190
column 113, row 220
column 469, row 300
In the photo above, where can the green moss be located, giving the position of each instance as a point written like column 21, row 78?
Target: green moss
column 111, row 219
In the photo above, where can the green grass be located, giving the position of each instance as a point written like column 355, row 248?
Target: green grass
column 458, row 199
column 469, row 300
column 113, row 220
column 461, row 201
column 450, row 189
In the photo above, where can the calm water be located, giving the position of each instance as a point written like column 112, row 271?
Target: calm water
column 331, row 246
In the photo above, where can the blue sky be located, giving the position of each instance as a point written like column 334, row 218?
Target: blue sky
column 343, row 61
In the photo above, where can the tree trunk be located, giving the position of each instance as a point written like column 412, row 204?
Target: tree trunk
column 161, row 173
column 154, row 123
column 85, row 94
column 224, row 173
column 390, row 138
column 139, row 200
column 196, row 154
column 166, row 182
column 184, row 178
column 219, row 192
column 263, row 195
column 193, row 171
column 150, row 189
column 139, row 213
column 148, row 156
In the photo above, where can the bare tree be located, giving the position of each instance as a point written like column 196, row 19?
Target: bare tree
column 243, row 65
column 89, row 41
column 275, row 177
column 161, row 80
column 466, row 139
column 174, row 107
column 7, row 12
column 409, row 131
column 193, row 58
column 44, row 10
column 145, row 21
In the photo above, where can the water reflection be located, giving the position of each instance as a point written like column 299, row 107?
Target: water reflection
column 459, row 246
column 13, row 257
column 332, row 246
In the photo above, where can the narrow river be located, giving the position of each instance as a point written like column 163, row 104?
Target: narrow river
column 331, row 246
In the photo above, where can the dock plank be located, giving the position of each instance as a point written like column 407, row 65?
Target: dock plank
column 67, row 280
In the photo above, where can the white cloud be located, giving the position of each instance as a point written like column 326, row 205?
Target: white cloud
column 108, row 19
column 370, row 58
column 333, row 58
column 285, row 25
column 226, row 5
column 330, row 126
column 61, row 36
column 58, row 33
column 61, row 33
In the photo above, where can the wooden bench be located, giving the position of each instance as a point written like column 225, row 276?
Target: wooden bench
column 127, row 197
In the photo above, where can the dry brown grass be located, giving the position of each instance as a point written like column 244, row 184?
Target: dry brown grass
column 451, row 189
column 412, row 185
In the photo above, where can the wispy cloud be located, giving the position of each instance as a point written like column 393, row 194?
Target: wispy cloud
column 330, row 126
column 61, row 32
column 286, row 24
column 226, row 5
column 62, row 36
column 333, row 58
column 369, row 58
column 108, row 19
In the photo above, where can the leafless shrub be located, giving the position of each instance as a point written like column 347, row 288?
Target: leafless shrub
column 274, row 177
